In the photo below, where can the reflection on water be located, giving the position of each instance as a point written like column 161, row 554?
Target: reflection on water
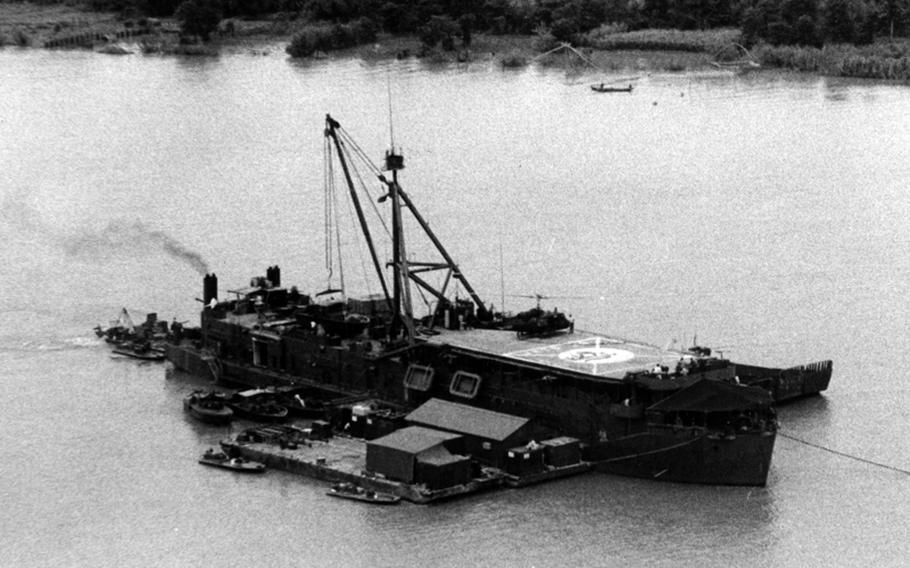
column 756, row 212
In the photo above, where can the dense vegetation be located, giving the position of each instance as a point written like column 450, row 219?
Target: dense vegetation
column 779, row 22
column 819, row 29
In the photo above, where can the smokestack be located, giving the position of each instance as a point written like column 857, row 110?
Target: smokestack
column 209, row 288
column 273, row 275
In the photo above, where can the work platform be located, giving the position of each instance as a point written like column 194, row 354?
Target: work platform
column 343, row 459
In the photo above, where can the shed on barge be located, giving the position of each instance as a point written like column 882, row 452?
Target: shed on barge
column 488, row 435
column 419, row 455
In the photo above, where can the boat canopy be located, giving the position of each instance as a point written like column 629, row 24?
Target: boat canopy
column 714, row 396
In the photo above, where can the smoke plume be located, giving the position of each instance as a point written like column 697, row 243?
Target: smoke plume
column 132, row 236
column 20, row 218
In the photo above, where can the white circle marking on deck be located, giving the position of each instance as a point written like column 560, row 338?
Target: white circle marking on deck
column 596, row 355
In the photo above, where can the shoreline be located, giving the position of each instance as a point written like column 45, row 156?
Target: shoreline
column 42, row 24
column 31, row 26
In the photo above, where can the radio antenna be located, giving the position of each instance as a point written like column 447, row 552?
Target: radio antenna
column 391, row 129
column 502, row 278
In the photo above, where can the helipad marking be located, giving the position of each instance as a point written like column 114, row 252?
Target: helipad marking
column 597, row 355
column 588, row 355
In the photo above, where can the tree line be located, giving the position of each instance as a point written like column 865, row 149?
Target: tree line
column 778, row 22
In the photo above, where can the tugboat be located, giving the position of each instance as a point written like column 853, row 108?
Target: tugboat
column 639, row 410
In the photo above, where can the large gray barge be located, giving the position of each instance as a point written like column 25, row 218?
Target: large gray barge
column 639, row 410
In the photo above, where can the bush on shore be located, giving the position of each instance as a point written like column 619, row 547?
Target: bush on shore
column 885, row 60
column 198, row 18
column 700, row 41
column 513, row 60
column 328, row 37
column 18, row 38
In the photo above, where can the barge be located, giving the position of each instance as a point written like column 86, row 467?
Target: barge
column 638, row 410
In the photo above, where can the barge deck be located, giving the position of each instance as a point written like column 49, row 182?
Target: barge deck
column 343, row 459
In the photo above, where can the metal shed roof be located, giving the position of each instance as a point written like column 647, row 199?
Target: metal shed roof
column 465, row 419
column 439, row 456
column 414, row 439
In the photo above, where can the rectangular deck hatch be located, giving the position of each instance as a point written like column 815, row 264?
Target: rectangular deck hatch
column 418, row 378
column 465, row 384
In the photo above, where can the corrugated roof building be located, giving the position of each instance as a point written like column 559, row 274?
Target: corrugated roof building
column 420, row 455
column 488, row 435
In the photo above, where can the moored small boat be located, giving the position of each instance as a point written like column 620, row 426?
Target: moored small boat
column 208, row 407
column 220, row 459
column 259, row 412
column 142, row 351
column 303, row 406
column 258, row 405
column 358, row 493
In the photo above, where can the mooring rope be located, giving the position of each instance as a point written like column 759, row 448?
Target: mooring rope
column 650, row 452
column 844, row 454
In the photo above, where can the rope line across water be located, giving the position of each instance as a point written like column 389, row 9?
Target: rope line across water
column 843, row 454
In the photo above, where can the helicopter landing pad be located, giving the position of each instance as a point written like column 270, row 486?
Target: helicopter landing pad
column 581, row 352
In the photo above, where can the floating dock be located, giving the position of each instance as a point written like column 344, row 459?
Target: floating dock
column 343, row 459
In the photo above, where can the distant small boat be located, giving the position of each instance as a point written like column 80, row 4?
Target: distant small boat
column 358, row 493
column 220, row 459
column 602, row 88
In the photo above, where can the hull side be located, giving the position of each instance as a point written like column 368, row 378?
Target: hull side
column 634, row 450
column 688, row 456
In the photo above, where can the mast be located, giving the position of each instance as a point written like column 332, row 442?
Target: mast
column 403, row 270
column 330, row 131
column 402, row 313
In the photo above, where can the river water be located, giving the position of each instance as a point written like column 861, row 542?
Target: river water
column 764, row 213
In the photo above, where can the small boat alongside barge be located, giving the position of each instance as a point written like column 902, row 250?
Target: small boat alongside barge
column 223, row 461
column 353, row 492
column 209, row 407
column 257, row 405
column 141, row 351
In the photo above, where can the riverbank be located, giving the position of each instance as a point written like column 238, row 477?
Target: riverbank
column 30, row 25
column 24, row 24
